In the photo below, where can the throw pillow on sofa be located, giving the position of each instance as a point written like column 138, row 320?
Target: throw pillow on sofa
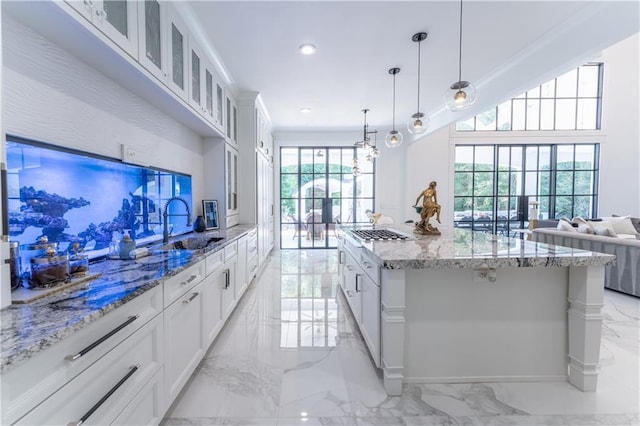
column 604, row 228
column 584, row 227
column 565, row 225
column 621, row 224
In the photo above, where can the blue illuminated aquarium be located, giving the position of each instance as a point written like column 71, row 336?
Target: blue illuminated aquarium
column 74, row 197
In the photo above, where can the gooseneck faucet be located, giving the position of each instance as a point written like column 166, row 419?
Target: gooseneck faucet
column 165, row 217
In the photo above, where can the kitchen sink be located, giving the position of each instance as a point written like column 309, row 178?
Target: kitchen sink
column 191, row 243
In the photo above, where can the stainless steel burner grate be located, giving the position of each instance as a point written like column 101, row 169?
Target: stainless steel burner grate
column 378, row 234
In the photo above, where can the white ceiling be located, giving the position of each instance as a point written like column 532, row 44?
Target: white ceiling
column 508, row 47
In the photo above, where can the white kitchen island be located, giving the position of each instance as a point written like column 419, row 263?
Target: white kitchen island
column 473, row 307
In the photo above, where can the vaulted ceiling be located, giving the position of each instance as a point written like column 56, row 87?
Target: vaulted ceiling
column 508, row 47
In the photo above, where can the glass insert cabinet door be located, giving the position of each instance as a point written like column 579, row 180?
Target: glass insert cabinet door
column 115, row 18
column 151, row 21
column 177, row 52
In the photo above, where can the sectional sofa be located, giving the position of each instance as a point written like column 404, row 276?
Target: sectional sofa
column 624, row 275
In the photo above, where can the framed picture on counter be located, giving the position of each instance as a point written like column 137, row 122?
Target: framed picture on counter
column 210, row 211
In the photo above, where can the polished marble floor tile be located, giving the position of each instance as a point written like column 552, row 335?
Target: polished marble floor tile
column 291, row 355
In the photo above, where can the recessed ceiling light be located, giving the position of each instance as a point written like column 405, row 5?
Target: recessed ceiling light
column 305, row 110
column 307, row 49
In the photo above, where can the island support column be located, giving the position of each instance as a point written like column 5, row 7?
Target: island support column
column 586, row 298
column 392, row 324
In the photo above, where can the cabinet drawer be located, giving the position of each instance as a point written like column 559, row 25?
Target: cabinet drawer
column 252, row 246
column 252, row 268
column 28, row 384
column 182, row 282
column 230, row 250
column 214, row 261
column 146, row 408
column 253, row 233
column 118, row 376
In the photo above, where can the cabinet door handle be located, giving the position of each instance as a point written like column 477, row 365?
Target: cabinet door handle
column 227, row 273
column 189, row 300
column 366, row 265
column 191, row 278
column 349, row 267
column 102, row 14
column 97, row 405
column 102, row 339
column 341, row 257
column 349, row 293
column 358, row 276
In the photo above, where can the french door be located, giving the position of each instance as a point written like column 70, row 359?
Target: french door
column 318, row 189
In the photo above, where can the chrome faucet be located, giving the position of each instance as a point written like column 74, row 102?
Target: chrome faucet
column 165, row 216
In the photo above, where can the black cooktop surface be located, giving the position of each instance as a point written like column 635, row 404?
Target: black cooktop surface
column 378, row 234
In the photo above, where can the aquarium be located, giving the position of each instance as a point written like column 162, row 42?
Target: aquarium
column 73, row 197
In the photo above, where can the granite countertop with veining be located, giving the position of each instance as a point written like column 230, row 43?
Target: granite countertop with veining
column 30, row 328
column 462, row 248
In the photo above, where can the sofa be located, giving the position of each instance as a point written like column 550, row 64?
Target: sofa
column 624, row 275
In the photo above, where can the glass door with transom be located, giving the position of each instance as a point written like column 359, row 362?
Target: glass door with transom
column 318, row 190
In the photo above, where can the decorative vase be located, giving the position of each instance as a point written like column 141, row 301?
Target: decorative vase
column 199, row 225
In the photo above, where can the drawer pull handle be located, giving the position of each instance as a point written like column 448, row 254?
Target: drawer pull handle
column 189, row 300
column 358, row 276
column 191, row 278
column 84, row 418
column 349, row 267
column 349, row 293
column 102, row 339
column 253, row 249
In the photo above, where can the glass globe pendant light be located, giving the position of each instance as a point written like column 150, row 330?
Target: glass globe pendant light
column 394, row 137
column 461, row 94
column 419, row 122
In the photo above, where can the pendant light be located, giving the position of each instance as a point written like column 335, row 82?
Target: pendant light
column 394, row 137
column 366, row 143
column 418, row 122
column 461, row 94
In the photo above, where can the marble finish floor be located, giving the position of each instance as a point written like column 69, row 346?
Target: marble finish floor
column 291, row 355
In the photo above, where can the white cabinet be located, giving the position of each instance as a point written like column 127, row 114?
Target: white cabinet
column 213, row 96
column 145, row 408
column 241, row 263
column 185, row 344
column 265, row 206
column 100, row 393
column 370, row 314
column 229, row 287
column 152, row 44
column 196, row 82
column 252, row 255
column 177, row 54
column 30, row 383
column 360, row 283
column 212, row 288
column 117, row 19
column 231, row 180
column 231, row 126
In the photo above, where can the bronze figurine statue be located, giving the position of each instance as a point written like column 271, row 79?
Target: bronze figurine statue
column 430, row 208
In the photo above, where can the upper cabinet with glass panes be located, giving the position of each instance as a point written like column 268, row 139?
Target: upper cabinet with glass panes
column 153, row 33
column 572, row 101
column 115, row 18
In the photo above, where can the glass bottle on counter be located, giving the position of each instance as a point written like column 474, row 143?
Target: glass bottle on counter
column 126, row 245
column 114, row 246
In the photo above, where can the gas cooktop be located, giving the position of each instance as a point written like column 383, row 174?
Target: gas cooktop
column 378, row 234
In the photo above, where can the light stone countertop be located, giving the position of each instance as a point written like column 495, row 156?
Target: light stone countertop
column 461, row 248
column 30, row 328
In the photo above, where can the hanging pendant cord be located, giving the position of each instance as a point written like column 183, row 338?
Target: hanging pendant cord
column 460, row 56
column 418, row 110
column 394, row 102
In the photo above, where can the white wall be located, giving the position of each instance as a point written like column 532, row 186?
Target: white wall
column 51, row 96
column 620, row 156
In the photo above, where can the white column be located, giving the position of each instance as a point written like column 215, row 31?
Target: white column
column 586, row 298
column 392, row 324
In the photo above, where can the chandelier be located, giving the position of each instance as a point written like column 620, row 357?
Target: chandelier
column 366, row 143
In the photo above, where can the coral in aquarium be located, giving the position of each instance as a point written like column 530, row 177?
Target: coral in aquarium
column 44, row 210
